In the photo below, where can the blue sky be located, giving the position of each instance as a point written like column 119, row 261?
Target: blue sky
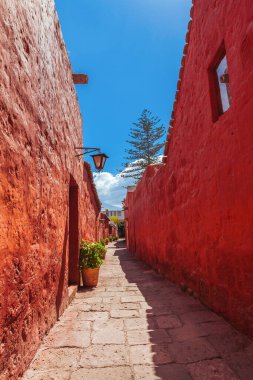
column 131, row 51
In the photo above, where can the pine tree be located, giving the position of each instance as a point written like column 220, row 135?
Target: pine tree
column 145, row 145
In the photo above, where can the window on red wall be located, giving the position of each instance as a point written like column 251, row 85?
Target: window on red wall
column 220, row 84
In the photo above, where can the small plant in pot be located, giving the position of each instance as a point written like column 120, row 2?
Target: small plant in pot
column 90, row 261
column 99, row 248
column 102, row 241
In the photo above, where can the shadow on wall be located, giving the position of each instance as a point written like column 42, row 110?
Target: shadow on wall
column 172, row 316
column 60, row 289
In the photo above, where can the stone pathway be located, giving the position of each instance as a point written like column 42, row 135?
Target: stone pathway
column 136, row 325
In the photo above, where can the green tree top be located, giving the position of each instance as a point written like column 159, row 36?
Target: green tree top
column 145, row 145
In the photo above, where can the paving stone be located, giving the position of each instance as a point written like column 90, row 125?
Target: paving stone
column 141, row 354
column 73, row 338
column 100, row 307
column 241, row 363
column 144, row 337
column 182, row 307
column 72, row 325
column 136, row 288
column 113, row 323
column 84, row 294
column 173, row 372
column 139, row 323
column 133, row 299
column 146, row 305
column 93, row 316
column 212, row 370
column 214, row 328
column 249, row 349
column 77, row 307
column 110, row 332
column 159, row 310
column 63, row 358
column 104, row 356
column 115, row 313
column 91, row 292
column 187, row 332
column 138, row 337
column 116, row 289
column 228, row 343
column 93, row 300
column 108, row 336
column 144, row 313
column 56, row 374
column 108, row 300
column 70, row 314
column 148, row 354
column 192, row 351
column 168, row 321
column 127, row 306
column 162, row 353
column 113, row 373
column 200, row 316
column 145, row 372
column 119, row 293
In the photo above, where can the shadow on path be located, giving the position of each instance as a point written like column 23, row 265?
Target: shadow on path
column 188, row 341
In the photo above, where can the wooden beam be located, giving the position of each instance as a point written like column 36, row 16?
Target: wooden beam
column 80, row 78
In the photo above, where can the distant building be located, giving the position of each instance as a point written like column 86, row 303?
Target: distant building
column 119, row 213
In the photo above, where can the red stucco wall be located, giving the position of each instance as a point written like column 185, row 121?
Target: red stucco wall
column 103, row 226
column 40, row 127
column 192, row 218
column 113, row 230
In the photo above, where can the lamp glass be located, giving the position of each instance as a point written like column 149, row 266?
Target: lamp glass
column 99, row 160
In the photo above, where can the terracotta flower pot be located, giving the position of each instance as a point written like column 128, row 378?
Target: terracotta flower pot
column 90, row 276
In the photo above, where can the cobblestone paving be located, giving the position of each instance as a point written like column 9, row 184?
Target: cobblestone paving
column 136, row 325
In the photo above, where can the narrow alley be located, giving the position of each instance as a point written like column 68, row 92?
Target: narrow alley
column 137, row 325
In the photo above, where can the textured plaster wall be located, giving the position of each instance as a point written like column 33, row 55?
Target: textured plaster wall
column 192, row 218
column 40, row 124
column 103, row 226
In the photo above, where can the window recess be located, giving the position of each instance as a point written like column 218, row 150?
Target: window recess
column 220, row 85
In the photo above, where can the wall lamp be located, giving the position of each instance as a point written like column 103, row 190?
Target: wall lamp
column 99, row 158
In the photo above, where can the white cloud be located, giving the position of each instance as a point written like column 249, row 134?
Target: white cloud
column 111, row 189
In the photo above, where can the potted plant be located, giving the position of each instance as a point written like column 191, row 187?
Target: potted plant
column 91, row 258
column 99, row 248
column 103, row 242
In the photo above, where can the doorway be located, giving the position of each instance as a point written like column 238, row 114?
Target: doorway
column 73, row 270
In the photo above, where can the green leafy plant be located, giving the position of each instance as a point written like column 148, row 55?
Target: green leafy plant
column 110, row 238
column 91, row 255
column 84, row 243
column 114, row 219
column 106, row 240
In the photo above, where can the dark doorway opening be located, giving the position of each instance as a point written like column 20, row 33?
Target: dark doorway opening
column 73, row 271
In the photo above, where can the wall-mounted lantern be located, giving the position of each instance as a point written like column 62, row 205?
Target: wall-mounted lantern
column 99, row 158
